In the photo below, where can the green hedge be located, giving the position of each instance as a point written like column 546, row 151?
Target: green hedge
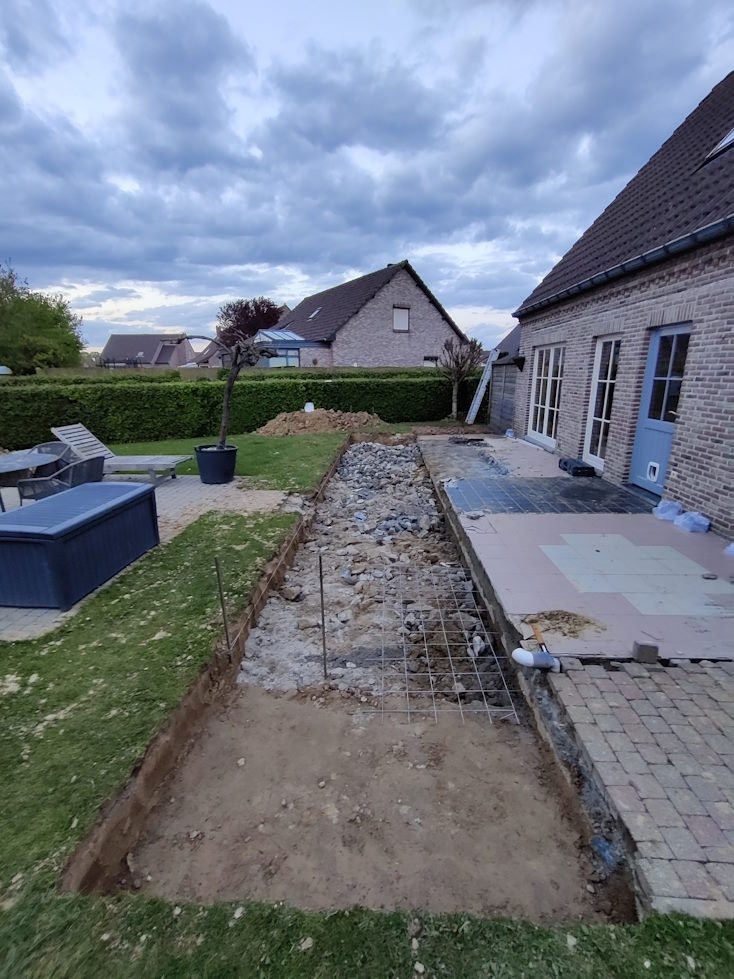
column 133, row 412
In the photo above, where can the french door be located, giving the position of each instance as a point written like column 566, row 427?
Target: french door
column 546, row 397
column 606, row 362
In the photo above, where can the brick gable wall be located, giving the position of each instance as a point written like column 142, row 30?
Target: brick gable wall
column 368, row 339
column 695, row 289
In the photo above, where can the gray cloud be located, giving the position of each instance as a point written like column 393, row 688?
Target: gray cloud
column 359, row 159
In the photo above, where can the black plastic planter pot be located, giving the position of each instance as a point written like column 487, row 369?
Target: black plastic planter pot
column 216, row 465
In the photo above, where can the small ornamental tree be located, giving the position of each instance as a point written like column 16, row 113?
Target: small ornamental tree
column 237, row 324
column 457, row 361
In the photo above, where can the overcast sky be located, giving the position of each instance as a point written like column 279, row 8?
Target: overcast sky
column 160, row 158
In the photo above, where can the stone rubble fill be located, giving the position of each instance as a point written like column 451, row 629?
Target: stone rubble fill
column 379, row 519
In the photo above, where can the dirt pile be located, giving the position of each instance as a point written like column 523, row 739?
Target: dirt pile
column 319, row 420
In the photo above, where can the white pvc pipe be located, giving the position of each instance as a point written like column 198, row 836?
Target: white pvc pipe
column 539, row 660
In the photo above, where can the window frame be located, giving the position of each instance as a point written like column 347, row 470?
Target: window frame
column 610, row 384
column 434, row 362
column 405, row 309
column 550, row 403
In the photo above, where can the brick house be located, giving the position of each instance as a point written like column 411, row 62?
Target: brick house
column 388, row 318
column 147, row 350
column 629, row 340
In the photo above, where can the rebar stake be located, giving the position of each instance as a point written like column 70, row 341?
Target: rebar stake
column 221, row 602
column 323, row 616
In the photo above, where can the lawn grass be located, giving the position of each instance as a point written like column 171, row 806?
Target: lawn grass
column 77, row 710
column 291, row 462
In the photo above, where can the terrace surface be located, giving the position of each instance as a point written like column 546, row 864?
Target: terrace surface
column 596, row 572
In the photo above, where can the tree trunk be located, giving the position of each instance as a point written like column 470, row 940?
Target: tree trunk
column 231, row 378
column 454, row 399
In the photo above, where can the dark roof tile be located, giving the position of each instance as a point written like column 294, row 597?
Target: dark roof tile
column 336, row 306
column 677, row 192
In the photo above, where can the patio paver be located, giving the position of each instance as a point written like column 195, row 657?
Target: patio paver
column 681, row 828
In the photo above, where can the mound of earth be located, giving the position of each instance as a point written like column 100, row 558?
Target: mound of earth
column 319, row 420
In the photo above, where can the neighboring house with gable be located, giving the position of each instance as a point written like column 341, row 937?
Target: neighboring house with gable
column 147, row 350
column 387, row 318
column 629, row 340
column 503, row 381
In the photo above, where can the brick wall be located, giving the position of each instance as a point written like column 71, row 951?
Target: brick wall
column 368, row 340
column 696, row 289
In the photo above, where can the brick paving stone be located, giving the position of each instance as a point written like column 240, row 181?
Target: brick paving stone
column 706, row 831
column 686, row 802
column 658, row 877
column 706, row 790
column 639, row 733
column 671, row 715
column 634, row 669
column 632, row 762
column 587, row 690
column 596, row 672
column 625, row 799
column 659, row 699
column 615, row 700
column 652, row 753
column 688, row 708
column 664, row 813
column 641, row 827
column 606, row 686
column 648, row 787
column 607, row 722
column 611, row 773
column 695, row 908
column 687, row 734
column 684, row 763
column 683, row 843
column 703, row 724
column 625, row 715
column 704, row 755
column 644, row 708
column 720, row 744
column 619, row 741
column 723, row 874
column 722, row 814
column 654, row 849
column 597, row 706
column 580, row 715
column 670, row 743
column 695, row 879
column 668, row 776
column 656, row 724
column 720, row 854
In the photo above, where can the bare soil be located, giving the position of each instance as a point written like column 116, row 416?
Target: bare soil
column 319, row 420
column 294, row 798
column 564, row 623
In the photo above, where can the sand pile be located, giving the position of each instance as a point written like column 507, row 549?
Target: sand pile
column 319, row 420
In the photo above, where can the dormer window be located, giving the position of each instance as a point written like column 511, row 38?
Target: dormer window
column 722, row 145
column 317, row 310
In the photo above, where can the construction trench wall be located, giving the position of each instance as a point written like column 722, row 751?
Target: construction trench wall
column 379, row 523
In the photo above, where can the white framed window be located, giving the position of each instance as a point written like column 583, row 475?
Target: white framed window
column 603, row 383
column 430, row 361
column 546, row 395
column 401, row 319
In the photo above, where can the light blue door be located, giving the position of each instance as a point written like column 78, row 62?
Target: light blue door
column 666, row 364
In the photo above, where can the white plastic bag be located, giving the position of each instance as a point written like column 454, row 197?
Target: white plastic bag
column 693, row 522
column 667, row 510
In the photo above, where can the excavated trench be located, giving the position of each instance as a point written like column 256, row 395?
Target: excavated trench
column 412, row 776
